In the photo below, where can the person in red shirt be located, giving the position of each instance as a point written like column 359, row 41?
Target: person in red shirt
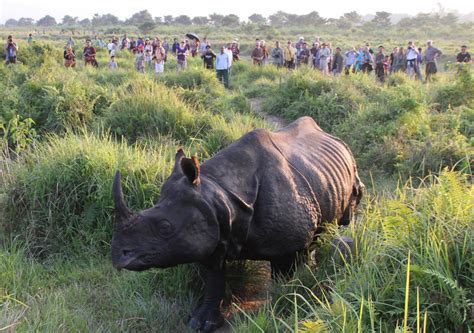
column 89, row 54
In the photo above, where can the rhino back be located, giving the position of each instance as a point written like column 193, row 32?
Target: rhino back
column 303, row 177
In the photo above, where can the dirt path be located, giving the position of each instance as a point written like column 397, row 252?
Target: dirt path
column 256, row 106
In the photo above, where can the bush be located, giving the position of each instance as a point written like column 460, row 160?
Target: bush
column 145, row 108
column 59, row 195
column 412, row 258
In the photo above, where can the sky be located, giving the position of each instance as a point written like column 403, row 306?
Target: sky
column 243, row 8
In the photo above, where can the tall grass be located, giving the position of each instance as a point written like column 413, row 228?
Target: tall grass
column 412, row 259
column 59, row 192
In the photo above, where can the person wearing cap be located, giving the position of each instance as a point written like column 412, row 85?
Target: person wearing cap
column 379, row 67
column 277, row 55
column 324, row 55
column 431, row 54
column 289, row 54
column 222, row 67
column 208, row 58
column 463, row 56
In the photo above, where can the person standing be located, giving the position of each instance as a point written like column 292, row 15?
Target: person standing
column 89, row 53
column 113, row 65
column 175, row 46
column 277, row 55
column 351, row 58
column 337, row 62
column 299, row 47
column 315, row 55
column 367, row 61
column 202, row 47
column 324, row 55
column 111, row 48
column 419, row 61
column 11, row 49
column 140, row 59
column 166, row 46
column 411, row 56
column 30, row 38
column 148, row 48
column 228, row 51
column 264, row 47
column 431, row 54
column 379, row 67
column 463, row 57
column 222, row 67
column 257, row 54
column 182, row 56
column 305, row 55
column 208, row 58
column 235, row 51
column 289, row 55
column 159, row 58
column 133, row 44
column 69, row 57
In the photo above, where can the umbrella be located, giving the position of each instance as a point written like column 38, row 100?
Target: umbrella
column 192, row 35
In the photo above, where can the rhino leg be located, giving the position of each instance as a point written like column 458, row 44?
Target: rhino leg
column 207, row 316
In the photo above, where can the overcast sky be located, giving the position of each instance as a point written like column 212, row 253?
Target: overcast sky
column 243, row 8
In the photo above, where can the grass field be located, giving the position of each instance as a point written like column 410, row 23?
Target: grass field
column 65, row 132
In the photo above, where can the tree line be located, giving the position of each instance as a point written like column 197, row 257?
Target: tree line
column 146, row 21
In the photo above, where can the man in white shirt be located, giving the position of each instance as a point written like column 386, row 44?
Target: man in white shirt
column 222, row 67
column 412, row 55
column 111, row 48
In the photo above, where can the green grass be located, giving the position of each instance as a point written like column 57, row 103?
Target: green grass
column 65, row 132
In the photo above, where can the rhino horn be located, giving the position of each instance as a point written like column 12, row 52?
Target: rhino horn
column 122, row 212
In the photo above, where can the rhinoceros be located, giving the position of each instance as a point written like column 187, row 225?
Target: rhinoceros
column 264, row 197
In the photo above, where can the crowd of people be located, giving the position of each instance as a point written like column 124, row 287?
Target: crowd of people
column 323, row 57
column 153, row 54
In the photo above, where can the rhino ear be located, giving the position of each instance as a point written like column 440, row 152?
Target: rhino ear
column 177, row 160
column 191, row 169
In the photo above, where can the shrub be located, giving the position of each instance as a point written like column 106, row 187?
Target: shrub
column 59, row 195
column 145, row 108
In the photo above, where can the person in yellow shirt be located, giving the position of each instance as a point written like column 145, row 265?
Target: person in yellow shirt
column 289, row 55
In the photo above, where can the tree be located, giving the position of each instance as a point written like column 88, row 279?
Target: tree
column 312, row 18
column 26, row 21
column 158, row 20
column 168, row 19
column 69, row 20
column 216, row 19
column 352, row 17
column 278, row 19
column 382, row 19
column 231, row 20
column 85, row 22
column 183, row 19
column 46, row 21
column 140, row 18
column 11, row 23
column 200, row 20
column 147, row 27
column 107, row 19
column 257, row 19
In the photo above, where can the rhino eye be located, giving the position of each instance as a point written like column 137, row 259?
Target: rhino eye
column 164, row 228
